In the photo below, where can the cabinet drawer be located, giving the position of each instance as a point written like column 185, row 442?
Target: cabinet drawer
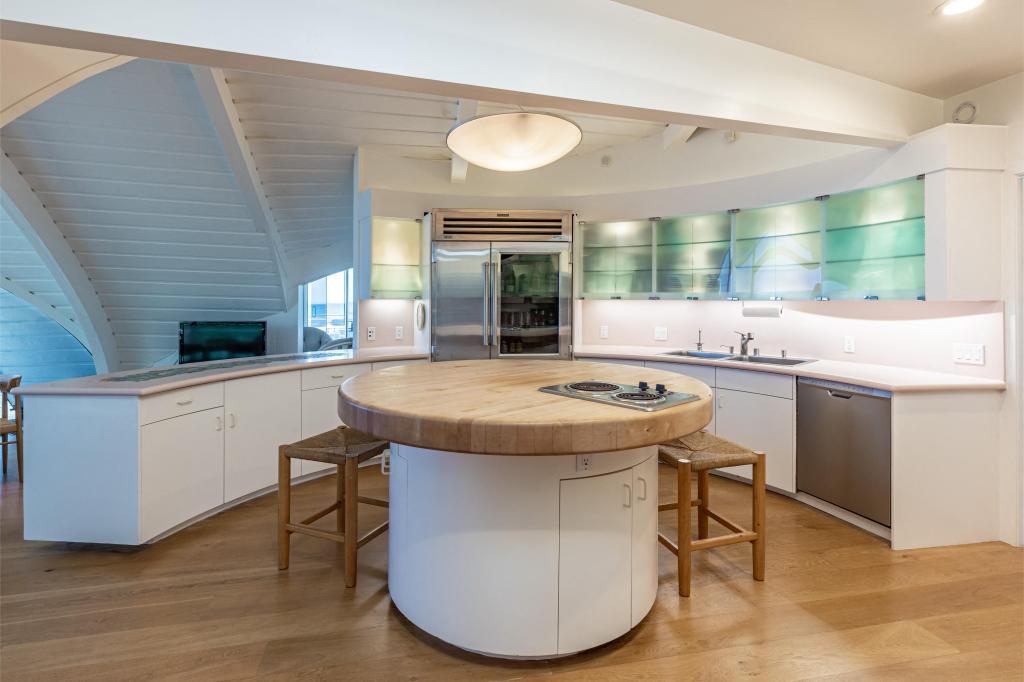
column 183, row 401
column 377, row 366
column 765, row 383
column 335, row 375
column 698, row 372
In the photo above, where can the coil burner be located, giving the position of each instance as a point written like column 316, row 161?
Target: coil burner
column 639, row 397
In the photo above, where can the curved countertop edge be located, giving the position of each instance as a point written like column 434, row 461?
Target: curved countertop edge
column 583, row 427
column 885, row 377
column 94, row 384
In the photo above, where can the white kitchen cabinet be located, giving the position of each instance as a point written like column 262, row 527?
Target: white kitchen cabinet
column 644, row 553
column 699, row 372
column 320, row 403
column 760, row 422
column 181, row 470
column 594, row 585
column 260, row 414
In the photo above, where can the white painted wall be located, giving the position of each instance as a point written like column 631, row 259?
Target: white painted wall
column 1002, row 103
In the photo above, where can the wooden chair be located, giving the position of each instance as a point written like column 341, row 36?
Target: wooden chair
column 346, row 448
column 8, row 382
column 701, row 452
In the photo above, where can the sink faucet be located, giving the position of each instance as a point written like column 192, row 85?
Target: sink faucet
column 745, row 340
column 700, row 345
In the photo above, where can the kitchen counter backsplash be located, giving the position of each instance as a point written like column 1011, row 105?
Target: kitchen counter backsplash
column 912, row 334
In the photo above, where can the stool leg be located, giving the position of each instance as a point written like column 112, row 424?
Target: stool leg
column 702, row 510
column 284, row 509
column 683, row 514
column 4, row 438
column 351, row 520
column 340, row 497
column 758, row 493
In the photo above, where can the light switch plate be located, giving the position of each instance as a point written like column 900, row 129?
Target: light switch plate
column 969, row 353
column 602, row 331
column 849, row 345
column 371, row 333
column 399, row 331
column 661, row 333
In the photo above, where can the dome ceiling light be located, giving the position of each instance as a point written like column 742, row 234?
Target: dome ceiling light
column 958, row 6
column 514, row 141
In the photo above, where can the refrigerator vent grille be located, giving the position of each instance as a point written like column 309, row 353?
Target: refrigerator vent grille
column 497, row 225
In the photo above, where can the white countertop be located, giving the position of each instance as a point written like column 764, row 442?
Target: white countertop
column 152, row 380
column 885, row 377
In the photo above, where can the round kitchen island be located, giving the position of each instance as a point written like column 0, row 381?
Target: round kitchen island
column 523, row 523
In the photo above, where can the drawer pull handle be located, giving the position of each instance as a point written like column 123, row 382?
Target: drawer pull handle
column 337, row 376
column 220, row 423
column 184, row 402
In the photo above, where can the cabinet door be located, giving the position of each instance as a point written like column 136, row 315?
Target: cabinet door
column 319, row 414
column 645, row 539
column 261, row 413
column 764, row 423
column 595, row 528
column 181, row 470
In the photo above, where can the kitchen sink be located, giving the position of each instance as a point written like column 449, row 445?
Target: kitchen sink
column 766, row 360
column 705, row 354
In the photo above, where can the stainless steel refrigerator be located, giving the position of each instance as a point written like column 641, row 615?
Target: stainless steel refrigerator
column 501, row 299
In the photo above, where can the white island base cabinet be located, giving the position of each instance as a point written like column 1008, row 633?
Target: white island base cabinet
column 523, row 556
column 128, row 470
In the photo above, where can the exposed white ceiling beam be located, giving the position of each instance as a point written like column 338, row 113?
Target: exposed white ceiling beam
column 466, row 109
column 224, row 116
column 617, row 60
column 19, row 291
column 42, row 233
column 675, row 133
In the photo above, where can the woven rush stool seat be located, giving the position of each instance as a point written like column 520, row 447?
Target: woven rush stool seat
column 346, row 448
column 701, row 452
column 706, row 451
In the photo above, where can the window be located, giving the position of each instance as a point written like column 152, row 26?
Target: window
column 328, row 305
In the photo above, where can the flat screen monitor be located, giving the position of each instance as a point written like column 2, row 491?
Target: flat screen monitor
column 201, row 341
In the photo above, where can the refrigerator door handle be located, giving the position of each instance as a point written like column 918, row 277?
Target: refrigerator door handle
column 486, row 327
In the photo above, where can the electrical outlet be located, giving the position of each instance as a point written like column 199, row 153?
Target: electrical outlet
column 584, row 462
column 399, row 332
column 849, row 345
column 661, row 333
column 371, row 333
column 969, row 353
column 602, row 331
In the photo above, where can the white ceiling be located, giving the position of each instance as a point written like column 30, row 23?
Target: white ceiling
column 128, row 166
column 901, row 42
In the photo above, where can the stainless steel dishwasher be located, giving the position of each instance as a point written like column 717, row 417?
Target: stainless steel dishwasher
column 844, row 446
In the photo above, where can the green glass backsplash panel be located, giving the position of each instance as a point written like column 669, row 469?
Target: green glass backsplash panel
column 620, row 233
column 887, row 278
column 395, row 281
column 771, row 221
column 888, row 240
column 691, row 229
column 899, row 201
column 620, row 283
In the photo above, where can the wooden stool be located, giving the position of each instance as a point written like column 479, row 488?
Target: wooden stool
column 343, row 447
column 700, row 452
column 8, row 382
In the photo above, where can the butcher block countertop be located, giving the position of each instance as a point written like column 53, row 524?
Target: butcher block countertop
column 493, row 407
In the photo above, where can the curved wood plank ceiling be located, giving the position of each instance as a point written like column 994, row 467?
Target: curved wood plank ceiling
column 902, row 43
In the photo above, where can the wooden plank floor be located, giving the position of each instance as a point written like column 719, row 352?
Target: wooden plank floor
column 210, row 604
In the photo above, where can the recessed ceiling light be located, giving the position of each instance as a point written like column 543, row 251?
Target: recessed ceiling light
column 514, row 141
column 958, row 6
